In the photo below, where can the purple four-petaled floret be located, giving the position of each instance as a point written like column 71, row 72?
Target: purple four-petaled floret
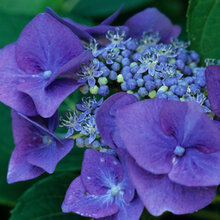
column 37, row 149
column 45, row 50
column 103, row 190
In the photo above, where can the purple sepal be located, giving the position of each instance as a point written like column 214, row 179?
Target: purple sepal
column 86, row 33
column 11, row 75
column 81, row 202
column 212, row 75
column 152, row 20
column 36, row 148
column 159, row 194
column 142, row 131
column 97, row 168
column 105, row 117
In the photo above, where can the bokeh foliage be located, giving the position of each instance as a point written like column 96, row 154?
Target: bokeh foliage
column 43, row 198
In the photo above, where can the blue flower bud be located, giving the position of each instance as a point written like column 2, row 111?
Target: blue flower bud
column 183, row 57
column 150, row 85
column 194, row 88
column 137, row 76
column 105, row 70
column 140, row 82
column 180, row 90
column 126, row 53
column 158, row 83
column 127, row 76
column 180, row 64
column 125, row 62
column 173, row 97
column 95, row 144
column 148, row 77
column 103, row 90
column 182, row 82
column 170, row 81
column 134, row 69
column 125, row 69
column 161, row 95
column 142, row 92
column 136, row 56
column 80, row 142
column 131, row 45
column 194, row 56
column 200, row 81
column 115, row 66
column 189, row 79
column 113, row 75
column 131, row 84
column 124, row 86
column 172, row 88
column 187, row 71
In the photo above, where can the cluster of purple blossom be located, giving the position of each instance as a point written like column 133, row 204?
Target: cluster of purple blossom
column 155, row 147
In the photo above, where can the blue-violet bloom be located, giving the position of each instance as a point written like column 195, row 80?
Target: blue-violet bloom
column 103, row 190
column 37, row 149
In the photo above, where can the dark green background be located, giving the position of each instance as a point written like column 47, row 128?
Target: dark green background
column 42, row 201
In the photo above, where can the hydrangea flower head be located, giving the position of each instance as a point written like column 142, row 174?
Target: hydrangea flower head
column 103, row 190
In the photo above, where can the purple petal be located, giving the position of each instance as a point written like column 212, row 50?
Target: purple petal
column 91, row 82
column 142, row 69
column 105, row 117
column 99, row 171
column 129, row 191
column 196, row 169
column 52, row 123
column 30, row 126
column 212, row 75
column 159, row 194
column 190, row 125
column 139, row 128
column 48, row 100
column 19, row 169
column 47, row 157
column 97, row 73
column 69, row 132
column 81, row 202
column 77, row 29
column 11, row 76
column 132, row 210
column 152, row 20
column 69, row 69
column 45, row 44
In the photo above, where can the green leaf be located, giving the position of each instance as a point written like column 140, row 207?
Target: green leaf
column 73, row 161
column 43, row 200
column 8, row 193
column 104, row 8
column 27, row 7
column 11, row 26
column 203, row 27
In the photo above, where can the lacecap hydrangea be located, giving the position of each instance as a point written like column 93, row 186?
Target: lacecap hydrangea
column 148, row 117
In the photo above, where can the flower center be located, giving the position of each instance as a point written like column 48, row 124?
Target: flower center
column 179, row 151
column 47, row 74
column 46, row 139
column 115, row 190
